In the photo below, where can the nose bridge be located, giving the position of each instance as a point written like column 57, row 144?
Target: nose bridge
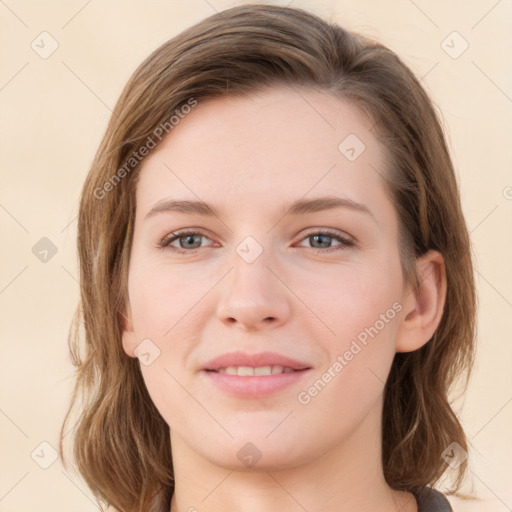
column 253, row 295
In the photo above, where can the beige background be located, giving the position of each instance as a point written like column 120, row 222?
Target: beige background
column 53, row 112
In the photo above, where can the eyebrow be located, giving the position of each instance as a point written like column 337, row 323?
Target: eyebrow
column 299, row 207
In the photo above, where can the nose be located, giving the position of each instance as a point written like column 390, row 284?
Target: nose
column 254, row 296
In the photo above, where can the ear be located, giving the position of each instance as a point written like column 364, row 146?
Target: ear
column 423, row 308
column 128, row 338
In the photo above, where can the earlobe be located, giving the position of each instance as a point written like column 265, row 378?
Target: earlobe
column 127, row 334
column 423, row 308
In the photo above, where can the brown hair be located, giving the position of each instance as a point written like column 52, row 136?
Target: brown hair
column 121, row 442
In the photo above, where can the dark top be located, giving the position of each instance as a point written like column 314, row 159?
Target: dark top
column 430, row 500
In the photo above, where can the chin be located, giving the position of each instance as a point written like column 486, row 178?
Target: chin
column 263, row 461
column 255, row 452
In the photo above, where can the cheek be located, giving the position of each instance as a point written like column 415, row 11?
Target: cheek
column 163, row 298
column 165, row 311
column 353, row 380
column 361, row 309
column 347, row 298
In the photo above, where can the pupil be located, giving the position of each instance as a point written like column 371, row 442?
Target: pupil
column 320, row 237
column 190, row 238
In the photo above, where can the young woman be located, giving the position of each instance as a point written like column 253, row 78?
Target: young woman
column 276, row 279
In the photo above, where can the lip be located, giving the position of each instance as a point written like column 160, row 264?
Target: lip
column 254, row 360
column 253, row 386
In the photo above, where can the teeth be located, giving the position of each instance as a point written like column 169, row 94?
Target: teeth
column 249, row 371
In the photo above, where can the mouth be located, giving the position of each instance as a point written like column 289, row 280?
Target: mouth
column 258, row 375
column 262, row 363
column 249, row 371
column 246, row 382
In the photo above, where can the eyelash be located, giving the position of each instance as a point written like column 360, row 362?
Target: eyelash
column 167, row 240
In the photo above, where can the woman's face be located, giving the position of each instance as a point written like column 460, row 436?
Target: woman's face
column 257, row 277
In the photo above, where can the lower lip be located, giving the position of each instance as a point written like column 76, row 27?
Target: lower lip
column 254, row 387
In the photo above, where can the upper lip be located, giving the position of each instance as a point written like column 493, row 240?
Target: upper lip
column 253, row 360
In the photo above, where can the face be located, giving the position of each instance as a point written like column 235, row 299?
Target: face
column 320, row 285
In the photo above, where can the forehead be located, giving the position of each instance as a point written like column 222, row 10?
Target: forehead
column 270, row 148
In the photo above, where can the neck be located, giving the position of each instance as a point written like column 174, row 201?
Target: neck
column 346, row 478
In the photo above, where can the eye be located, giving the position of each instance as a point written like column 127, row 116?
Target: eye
column 188, row 240
column 324, row 240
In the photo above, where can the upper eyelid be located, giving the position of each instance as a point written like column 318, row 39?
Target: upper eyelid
column 329, row 231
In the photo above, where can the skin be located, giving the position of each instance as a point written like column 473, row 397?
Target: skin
column 251, row 157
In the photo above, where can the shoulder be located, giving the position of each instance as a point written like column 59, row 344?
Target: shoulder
column 430, row 500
